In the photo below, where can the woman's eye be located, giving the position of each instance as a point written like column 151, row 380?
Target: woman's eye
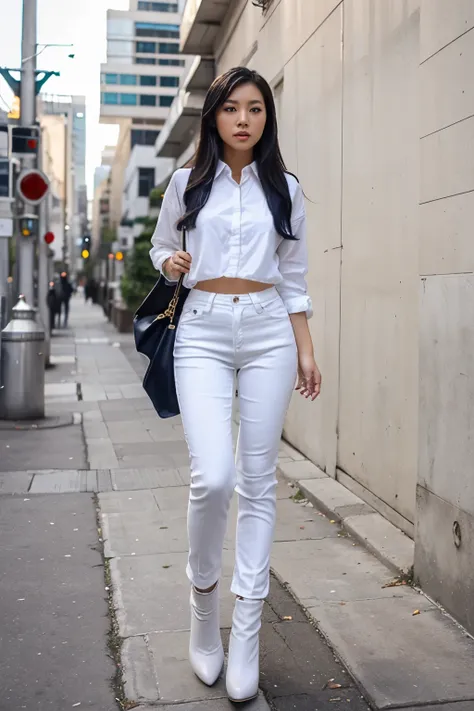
column 229, row 108
column 256, row 110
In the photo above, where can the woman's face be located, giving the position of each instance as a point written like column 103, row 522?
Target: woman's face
column 241, row 118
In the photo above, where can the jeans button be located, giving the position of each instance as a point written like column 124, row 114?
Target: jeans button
column 236, row 299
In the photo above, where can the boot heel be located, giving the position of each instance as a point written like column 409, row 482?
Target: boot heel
column 243, row 670
column 206, row 653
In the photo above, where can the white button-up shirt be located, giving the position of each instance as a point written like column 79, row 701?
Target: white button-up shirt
column 235, row 235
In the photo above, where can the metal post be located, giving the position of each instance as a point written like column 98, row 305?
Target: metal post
column 26, row 245
column 43, row 279
column 65, row 194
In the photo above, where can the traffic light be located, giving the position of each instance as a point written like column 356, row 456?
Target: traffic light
column 28, row 226
column 86, row 247
column 5, row 178
column 32, row 186
column 25, row 140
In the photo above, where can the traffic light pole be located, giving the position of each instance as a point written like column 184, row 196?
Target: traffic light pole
column 26, row 252
column 43, row 276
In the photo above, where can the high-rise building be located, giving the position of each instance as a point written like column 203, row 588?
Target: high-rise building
column 63, row 125
column 139, row 82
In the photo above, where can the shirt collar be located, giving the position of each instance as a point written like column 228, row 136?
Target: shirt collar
column 221, row 166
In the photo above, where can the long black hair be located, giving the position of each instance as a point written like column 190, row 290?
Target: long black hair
column 271, row 168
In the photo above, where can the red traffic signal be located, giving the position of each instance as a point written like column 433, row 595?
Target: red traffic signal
column 32, row 186
column 49, row 237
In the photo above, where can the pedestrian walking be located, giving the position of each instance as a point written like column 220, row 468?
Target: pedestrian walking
column 54, row 305
column 247, row 312
column 66, row 293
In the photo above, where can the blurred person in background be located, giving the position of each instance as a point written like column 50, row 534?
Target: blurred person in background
column 66, row 293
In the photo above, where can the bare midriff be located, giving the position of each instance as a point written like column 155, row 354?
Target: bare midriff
column 227, row 285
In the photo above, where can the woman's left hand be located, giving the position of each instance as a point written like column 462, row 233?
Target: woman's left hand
column 309, row 377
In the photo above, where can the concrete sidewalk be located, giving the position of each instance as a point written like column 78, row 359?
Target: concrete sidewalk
column 401, row 649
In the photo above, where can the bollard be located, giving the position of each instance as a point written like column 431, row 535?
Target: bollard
column 22, row 358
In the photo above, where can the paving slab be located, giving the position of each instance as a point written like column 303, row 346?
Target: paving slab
column 142, row 533
column 59, row 448
column 339, row 700
column 383, row 539
column 140, row 683
column 328, row 494
column 59, row 482
column 301, row 469
column 456, row 706
column 222, row 704
column 153, row 592
column 296, row 523
column 127, row 502
column 15, row 482
column 173, row 500
column 61, row 390
column 145, row 478
column 177, row 684
column 399, row 658
column 53, row 652
column 332, row 569
column 128, row 432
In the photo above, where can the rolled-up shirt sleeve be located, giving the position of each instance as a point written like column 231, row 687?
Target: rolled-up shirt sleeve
column 166, row 238
column 293, row 262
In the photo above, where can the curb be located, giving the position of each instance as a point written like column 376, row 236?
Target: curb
column 45, row 423
column 380, row 537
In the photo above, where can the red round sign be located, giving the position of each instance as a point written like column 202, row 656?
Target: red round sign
column 32, row 186
column 49, row 237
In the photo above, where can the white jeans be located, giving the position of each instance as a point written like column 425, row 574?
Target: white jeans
column 218, row 335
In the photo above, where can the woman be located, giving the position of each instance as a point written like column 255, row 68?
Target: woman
column 246, row 312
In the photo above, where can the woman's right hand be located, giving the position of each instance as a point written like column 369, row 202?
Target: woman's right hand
column 179, row 263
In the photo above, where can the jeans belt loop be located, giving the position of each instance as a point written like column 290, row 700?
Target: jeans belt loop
column 256, row 302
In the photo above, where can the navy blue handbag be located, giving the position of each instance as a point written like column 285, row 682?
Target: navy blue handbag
column 154, row 329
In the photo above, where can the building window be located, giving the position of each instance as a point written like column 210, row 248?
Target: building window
column 146, row 47
column 111, row 78
column 147, row 100
column 147, row 80
column 109, row 98
column 146, row 181
column 169, row 81
column 158, row 6
column 145, row 60
column 171, row 62
column 156, row 29
column 128, row 79
column 143, row 137
column 128, row 99
column 166, row 100
column 166, row 47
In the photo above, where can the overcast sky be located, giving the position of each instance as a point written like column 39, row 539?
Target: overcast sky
column 83, row 23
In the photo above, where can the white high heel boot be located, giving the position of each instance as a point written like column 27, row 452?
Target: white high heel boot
column 243, row 668
column 206, row 653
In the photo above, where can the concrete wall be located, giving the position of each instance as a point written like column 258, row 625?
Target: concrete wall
column 345, row 76
column 444, row 551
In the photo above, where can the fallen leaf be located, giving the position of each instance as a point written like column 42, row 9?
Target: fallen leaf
column 416, row 612
column 332, row 685
column 287, row 617
column 302, row 528
column 332, row 521
column 166, row 566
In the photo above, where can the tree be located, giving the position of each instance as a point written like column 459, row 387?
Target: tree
column 140, row 275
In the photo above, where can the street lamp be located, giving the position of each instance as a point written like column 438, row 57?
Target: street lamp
column 45, row 46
